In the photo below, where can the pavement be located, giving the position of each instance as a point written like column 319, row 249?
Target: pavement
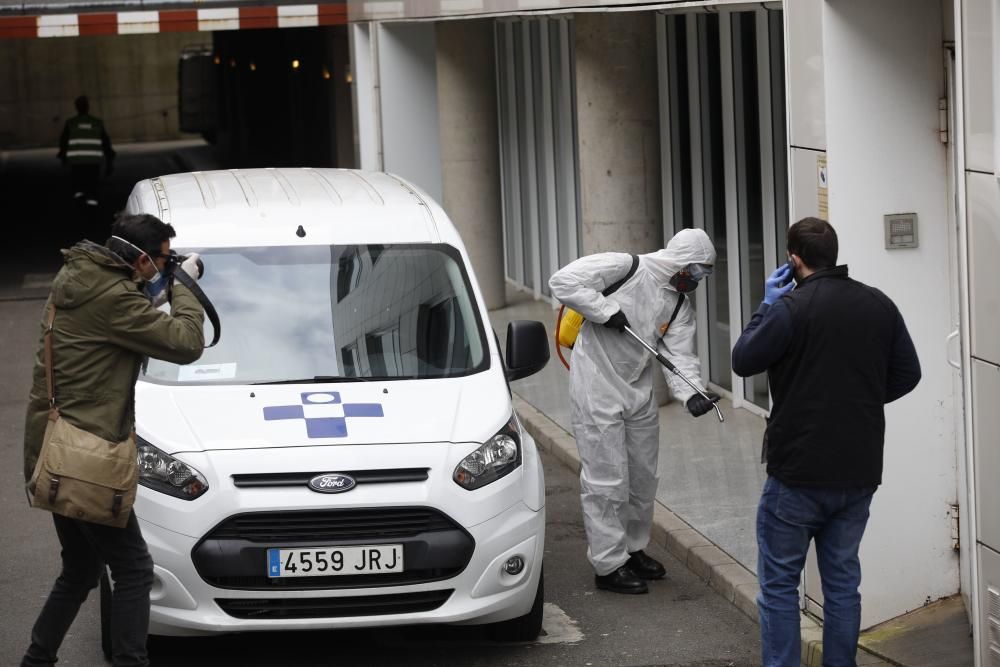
column 701, row 556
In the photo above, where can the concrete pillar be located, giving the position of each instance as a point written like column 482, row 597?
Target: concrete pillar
column 470, row 160
column 618, row 130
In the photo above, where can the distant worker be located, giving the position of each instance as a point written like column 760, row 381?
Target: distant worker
column 615, row 414
column 83, row 146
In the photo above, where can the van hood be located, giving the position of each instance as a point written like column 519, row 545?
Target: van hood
column 203, row 418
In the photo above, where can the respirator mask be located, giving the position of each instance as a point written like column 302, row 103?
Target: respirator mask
column 686, row 280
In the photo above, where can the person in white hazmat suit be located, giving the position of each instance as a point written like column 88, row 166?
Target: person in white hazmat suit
column 614, row 412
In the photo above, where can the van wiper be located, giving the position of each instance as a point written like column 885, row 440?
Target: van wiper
column 318, row 379
column 333, row 379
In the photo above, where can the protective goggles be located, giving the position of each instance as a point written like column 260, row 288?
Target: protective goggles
column 698, row 271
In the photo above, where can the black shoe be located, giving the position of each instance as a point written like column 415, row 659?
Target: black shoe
column 622, row 580
column 645, row 567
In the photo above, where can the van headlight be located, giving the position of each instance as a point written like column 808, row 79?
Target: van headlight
column 162, row 472
column 497, row 457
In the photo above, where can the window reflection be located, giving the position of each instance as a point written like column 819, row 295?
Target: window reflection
column 298, row 313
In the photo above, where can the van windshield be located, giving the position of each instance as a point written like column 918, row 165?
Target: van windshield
column 335, row 314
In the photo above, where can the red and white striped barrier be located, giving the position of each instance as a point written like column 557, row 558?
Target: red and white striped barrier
column 173, row 20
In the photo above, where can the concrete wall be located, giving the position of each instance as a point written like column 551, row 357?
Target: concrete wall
column 618, row 130
column 884, row 75
column 806, row 94
column 131, row 81
column 470, row 160
column 408, row 107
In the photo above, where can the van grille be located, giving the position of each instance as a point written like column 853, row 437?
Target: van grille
column 339, row 607
column 234, row 554
column 331, row 526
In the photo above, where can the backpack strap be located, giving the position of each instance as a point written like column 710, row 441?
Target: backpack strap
column 673, row 315
column 613, row 287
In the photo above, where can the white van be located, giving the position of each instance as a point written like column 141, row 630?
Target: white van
column 347, row 455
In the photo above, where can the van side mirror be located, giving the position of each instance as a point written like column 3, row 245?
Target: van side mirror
column 527, row 348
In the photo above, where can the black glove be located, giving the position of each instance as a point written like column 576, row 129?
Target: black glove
column 618, row 321
column 698, row 405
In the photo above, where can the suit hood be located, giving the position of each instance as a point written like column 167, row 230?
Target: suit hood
column 688, row 246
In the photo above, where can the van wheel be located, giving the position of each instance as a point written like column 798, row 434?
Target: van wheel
column 106, row 615
column 524, row 628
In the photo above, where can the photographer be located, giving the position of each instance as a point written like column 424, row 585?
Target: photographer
column 835, row 351
column 105, row 324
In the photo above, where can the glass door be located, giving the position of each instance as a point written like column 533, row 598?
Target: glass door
column 724, row 161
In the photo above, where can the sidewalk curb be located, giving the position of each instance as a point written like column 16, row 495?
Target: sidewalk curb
column 700, row 555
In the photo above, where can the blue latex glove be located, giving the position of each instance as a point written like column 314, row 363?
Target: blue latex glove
column 778, row 284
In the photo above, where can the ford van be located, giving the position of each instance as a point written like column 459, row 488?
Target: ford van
column 347, row 455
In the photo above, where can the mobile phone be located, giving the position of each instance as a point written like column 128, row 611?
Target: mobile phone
column 790, row 277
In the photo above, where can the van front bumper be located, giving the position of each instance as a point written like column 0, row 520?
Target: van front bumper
column 184, row 603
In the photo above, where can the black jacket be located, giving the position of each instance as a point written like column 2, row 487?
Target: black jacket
column 836, row 351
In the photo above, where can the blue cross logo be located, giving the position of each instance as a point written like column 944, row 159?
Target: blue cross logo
column 324, row 414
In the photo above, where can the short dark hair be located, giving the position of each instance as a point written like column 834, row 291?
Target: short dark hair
column 815, row 242
column 145, row 231
column 82, row 104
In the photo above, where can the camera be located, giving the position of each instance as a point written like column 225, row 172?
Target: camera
column 174, row 261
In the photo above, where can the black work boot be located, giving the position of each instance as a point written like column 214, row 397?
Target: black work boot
column 645, row 566
column 622, row 580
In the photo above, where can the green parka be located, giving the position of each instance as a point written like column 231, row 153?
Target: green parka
column 103, row 329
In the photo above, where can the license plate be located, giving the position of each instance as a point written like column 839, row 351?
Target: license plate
column 335, row 561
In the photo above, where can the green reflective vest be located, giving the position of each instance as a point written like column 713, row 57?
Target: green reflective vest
column 84, row 135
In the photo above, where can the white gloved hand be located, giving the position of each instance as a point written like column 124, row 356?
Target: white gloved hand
column 193, row 266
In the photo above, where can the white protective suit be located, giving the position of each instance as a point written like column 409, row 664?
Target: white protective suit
column 611, row 385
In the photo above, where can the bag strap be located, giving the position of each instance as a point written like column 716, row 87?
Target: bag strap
column 50, row 381
column 613, row 287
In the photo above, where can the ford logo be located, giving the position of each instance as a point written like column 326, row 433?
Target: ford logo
column 332, row 482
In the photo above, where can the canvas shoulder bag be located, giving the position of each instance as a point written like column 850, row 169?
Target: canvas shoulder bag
column 78, row 474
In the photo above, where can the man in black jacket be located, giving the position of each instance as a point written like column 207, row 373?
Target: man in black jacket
column 835, row 351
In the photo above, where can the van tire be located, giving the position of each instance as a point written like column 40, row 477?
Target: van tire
column 523, row 628
column 106, row 615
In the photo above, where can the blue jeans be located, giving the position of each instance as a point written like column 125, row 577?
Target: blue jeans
column 787, row 519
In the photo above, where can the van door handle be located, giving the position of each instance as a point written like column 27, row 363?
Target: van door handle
column 957, row 365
